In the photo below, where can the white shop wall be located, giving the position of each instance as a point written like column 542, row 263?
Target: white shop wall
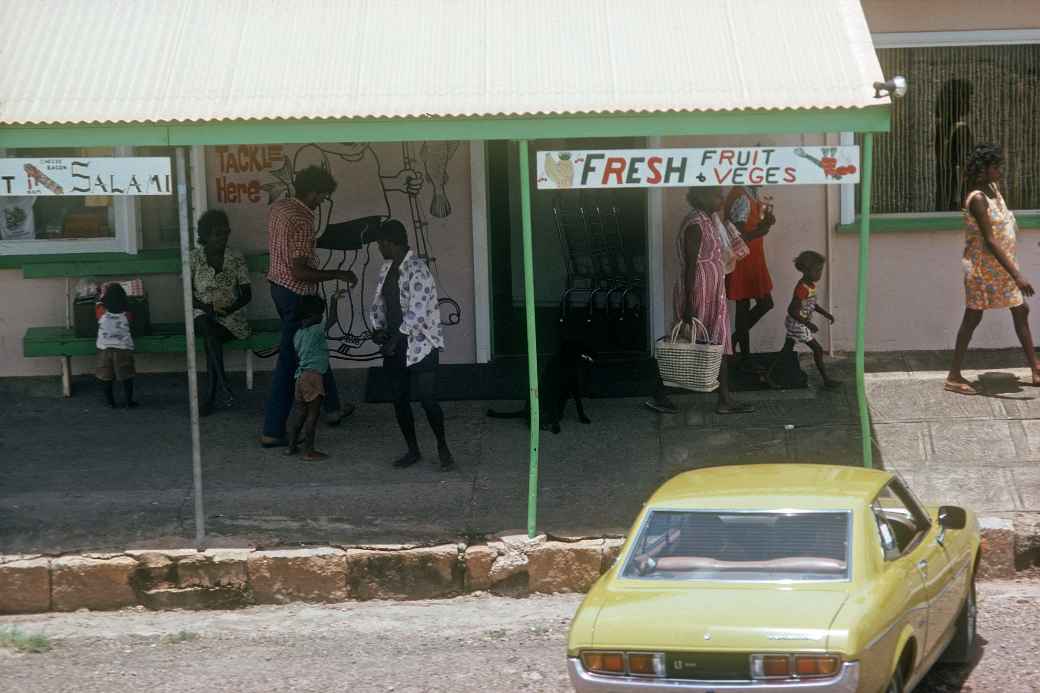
column 244, row 180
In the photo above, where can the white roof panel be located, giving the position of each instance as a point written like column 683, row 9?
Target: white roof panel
column 141, row 61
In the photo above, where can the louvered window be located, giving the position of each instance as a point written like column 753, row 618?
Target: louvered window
column 958, row 97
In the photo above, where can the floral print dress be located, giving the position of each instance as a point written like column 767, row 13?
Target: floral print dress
column 221, row 289
column 986, row 283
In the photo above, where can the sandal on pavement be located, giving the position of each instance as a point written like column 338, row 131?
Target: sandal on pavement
column 961, row 388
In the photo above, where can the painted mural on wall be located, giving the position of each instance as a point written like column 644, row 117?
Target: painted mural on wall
column 372, row 187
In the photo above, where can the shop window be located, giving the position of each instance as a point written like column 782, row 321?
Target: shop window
column 39, row 224
column 959, row 96
column 45, row 223
column 158, row 216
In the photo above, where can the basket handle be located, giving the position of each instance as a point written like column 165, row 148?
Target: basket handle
column 698, row 330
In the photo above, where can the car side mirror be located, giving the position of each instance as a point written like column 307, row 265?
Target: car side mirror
column 952, row 517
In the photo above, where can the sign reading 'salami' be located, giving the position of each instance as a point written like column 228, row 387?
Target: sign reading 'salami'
column 143, row 175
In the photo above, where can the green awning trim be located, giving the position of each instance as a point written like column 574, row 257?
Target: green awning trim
column 874, row 119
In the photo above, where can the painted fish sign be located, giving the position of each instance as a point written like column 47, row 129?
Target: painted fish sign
column 650, row 168
column 142, row 175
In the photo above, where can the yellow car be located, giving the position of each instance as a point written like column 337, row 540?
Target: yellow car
column 783, row 577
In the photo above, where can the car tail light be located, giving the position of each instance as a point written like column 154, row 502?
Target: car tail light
column 770, row 666
column 784, row 666
column 646, row 664
column 619, row 663
column 815, row 665
column 604, row 662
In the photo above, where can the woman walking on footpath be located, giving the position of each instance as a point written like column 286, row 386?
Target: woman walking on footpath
column 992, row 278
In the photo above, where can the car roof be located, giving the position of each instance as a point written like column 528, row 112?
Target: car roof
column 772, row 486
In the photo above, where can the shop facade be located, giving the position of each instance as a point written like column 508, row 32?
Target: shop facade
column 467, row 205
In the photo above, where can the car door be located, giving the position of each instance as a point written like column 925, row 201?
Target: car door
column 917, row 538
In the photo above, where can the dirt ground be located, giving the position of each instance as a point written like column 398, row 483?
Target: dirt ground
column 477, row 643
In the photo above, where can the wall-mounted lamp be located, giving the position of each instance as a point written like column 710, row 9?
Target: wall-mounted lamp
column 894, row 87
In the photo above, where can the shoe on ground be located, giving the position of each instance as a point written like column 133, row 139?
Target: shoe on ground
column 408, row 460
column 447, row 460
column 271, row 442
column 335, row 418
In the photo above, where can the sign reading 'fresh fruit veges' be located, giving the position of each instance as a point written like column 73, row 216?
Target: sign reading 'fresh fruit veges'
column 716, row 166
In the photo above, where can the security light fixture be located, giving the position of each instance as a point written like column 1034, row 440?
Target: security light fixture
column 895, row 87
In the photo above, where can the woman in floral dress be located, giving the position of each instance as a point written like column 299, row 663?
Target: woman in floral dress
column 992, row 277
column 220, row 292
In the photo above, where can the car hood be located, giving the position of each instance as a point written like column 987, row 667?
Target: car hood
column 694, row 617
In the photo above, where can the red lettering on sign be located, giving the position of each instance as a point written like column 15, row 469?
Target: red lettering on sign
column 722, row 178
column 726, row 155
column 789, row 175
column 755, row 176
column 615, row 167
column 655, row 174
column 230, row 192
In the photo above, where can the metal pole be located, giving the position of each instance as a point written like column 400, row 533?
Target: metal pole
column 189, row 340
column 861, row 297
column 532, row 338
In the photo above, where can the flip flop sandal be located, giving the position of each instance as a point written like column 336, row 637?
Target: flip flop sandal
column 960, row 388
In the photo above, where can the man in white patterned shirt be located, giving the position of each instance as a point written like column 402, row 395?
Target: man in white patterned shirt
column 407, row 325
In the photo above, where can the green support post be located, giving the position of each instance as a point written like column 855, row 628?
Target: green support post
column 532, row 337
column 861, row 297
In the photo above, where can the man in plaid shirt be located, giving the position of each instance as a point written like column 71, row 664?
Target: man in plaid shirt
column 294, row 274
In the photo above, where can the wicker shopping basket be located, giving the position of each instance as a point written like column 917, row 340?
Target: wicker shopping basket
column 691, row 365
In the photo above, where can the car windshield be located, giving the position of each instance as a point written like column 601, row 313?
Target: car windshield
column 741, row 546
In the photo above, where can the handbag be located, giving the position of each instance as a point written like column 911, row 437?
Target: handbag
column 690, row 365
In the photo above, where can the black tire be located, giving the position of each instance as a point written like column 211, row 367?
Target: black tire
column 895, row 684
column 961, row 649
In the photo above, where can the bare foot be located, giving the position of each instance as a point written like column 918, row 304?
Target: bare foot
column 314, row 456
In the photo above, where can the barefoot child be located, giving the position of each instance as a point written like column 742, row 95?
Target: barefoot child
column 799, row 324
column 312, row 351
column 115, row 346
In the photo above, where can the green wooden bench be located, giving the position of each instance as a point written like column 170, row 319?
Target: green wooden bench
column 166, row 338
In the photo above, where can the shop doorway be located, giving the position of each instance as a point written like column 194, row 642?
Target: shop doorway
column 590, row 259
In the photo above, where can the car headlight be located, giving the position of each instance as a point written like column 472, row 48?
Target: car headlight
column 621, row 663
column 785, row 666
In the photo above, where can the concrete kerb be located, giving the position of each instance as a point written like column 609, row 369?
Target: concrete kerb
column 511, row 564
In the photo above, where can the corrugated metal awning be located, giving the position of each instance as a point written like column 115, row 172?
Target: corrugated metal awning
column 189, row 61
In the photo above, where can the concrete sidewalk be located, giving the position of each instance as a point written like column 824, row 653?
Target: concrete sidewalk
column 76, row 476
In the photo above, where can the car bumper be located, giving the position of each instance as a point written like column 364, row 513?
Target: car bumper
column 584, row 682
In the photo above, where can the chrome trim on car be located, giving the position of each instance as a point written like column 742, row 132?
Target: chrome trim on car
column 845, row 682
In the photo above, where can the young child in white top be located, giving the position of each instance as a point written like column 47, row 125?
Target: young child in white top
column 115, row 346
